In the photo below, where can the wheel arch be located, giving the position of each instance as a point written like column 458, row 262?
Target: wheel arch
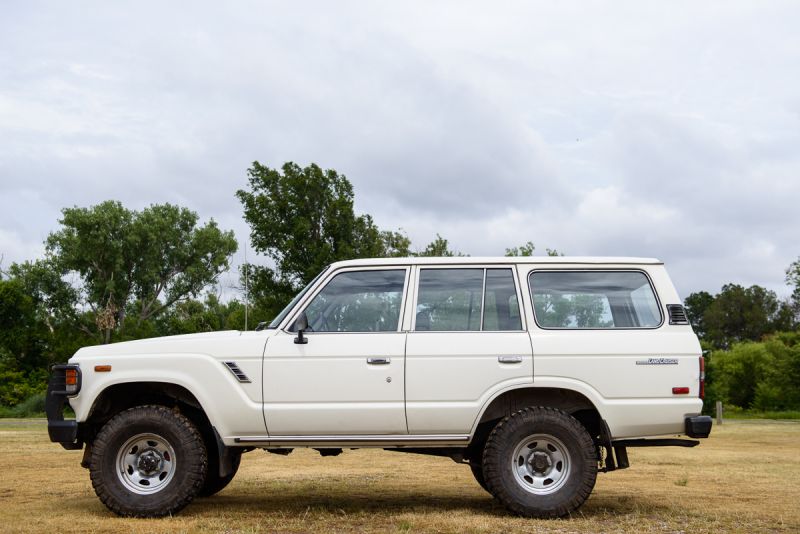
column 569, row 400
column 118, row 397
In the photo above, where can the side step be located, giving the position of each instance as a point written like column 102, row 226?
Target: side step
column 655, row 443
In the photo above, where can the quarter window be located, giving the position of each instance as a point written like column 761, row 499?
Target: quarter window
column 596, row 299
column 358, row 301
column 501, row 308
column 467, row 300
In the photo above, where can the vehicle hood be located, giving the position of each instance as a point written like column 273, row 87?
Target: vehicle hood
column 212, row 343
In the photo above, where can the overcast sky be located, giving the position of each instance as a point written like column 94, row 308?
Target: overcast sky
column 603, row 128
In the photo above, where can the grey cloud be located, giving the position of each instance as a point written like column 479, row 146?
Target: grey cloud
column 605, row 129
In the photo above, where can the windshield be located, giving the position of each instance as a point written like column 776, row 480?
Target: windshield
column 277, row 320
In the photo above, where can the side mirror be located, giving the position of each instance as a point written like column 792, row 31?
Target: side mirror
column 301, row 325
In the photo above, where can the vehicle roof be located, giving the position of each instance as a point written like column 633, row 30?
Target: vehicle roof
column 468, row 260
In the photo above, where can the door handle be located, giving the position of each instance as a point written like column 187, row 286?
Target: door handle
column 379, row 361
column 509, row 359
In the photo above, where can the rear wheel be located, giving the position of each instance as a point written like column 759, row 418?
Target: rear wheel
column 477, row 471
column 540, row 462
column 148, row 461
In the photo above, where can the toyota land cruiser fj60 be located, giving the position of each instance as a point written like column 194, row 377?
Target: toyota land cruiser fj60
column 536, row 372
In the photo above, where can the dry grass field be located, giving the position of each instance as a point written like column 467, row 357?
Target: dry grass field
column 745, row 478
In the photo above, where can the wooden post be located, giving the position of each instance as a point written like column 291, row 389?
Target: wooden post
column 719, row 412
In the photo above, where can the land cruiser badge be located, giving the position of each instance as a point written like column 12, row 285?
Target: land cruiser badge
column 658, row 361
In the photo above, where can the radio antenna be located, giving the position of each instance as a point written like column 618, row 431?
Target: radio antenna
column 246, row 286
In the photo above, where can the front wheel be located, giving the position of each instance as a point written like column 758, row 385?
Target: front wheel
column 540, row 462
column 148, row 461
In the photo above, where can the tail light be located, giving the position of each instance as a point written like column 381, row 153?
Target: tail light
column 702, row 377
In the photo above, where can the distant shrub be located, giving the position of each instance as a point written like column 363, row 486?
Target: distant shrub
column 16, row 386
column 33, row 406
column 762, row 376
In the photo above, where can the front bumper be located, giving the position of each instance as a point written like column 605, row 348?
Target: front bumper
column 61, row 431
column 698, row 426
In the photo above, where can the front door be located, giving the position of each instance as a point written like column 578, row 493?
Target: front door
column 348, row 379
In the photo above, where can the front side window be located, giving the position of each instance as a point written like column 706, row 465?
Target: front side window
column 454, row 300
column 358, row 301
column 599, row 299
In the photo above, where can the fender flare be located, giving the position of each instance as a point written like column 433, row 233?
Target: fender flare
column 545, row 382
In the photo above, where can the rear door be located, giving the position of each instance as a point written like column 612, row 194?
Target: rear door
column 467, row 341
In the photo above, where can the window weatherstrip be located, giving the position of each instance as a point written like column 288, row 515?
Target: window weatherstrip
column 483, row 298
column 300, row 307
column 600, row 270
column 515, row 275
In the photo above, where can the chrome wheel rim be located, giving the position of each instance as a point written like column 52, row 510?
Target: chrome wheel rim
column 541, row 464
column 146, row 464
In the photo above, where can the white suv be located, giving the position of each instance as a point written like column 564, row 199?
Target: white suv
column 537, row 372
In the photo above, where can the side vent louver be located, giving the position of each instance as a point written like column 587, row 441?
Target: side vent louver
column 677, row 315
column 238, row 373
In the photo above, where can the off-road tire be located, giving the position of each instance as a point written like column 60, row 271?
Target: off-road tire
column 187, row 474
column 215, row 483
column 502, row 463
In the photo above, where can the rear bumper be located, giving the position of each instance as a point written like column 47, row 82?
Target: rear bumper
column 59, row 430
column 698, row 426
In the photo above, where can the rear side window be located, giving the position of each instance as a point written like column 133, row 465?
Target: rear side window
column 449, row 300
column 453, row 300
column 593, row 299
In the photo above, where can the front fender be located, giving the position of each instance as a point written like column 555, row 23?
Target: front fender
column 232, row 407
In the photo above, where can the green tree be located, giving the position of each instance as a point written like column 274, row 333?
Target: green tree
column 395, row 244
column 759, row 375
column 178, row 259
column 52, row 317
column 54, row 298
column 793, row 279
column 143, row 262
column 738, row 372
column 302, row 218
column 19, row 335
column 439, row 247
column 740, row 314
column 23, row 344
column 779, row 388
column 527, row 250
column 696, row 305
column 209, row 315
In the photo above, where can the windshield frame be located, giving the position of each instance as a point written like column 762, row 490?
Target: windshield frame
column 297, row 298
